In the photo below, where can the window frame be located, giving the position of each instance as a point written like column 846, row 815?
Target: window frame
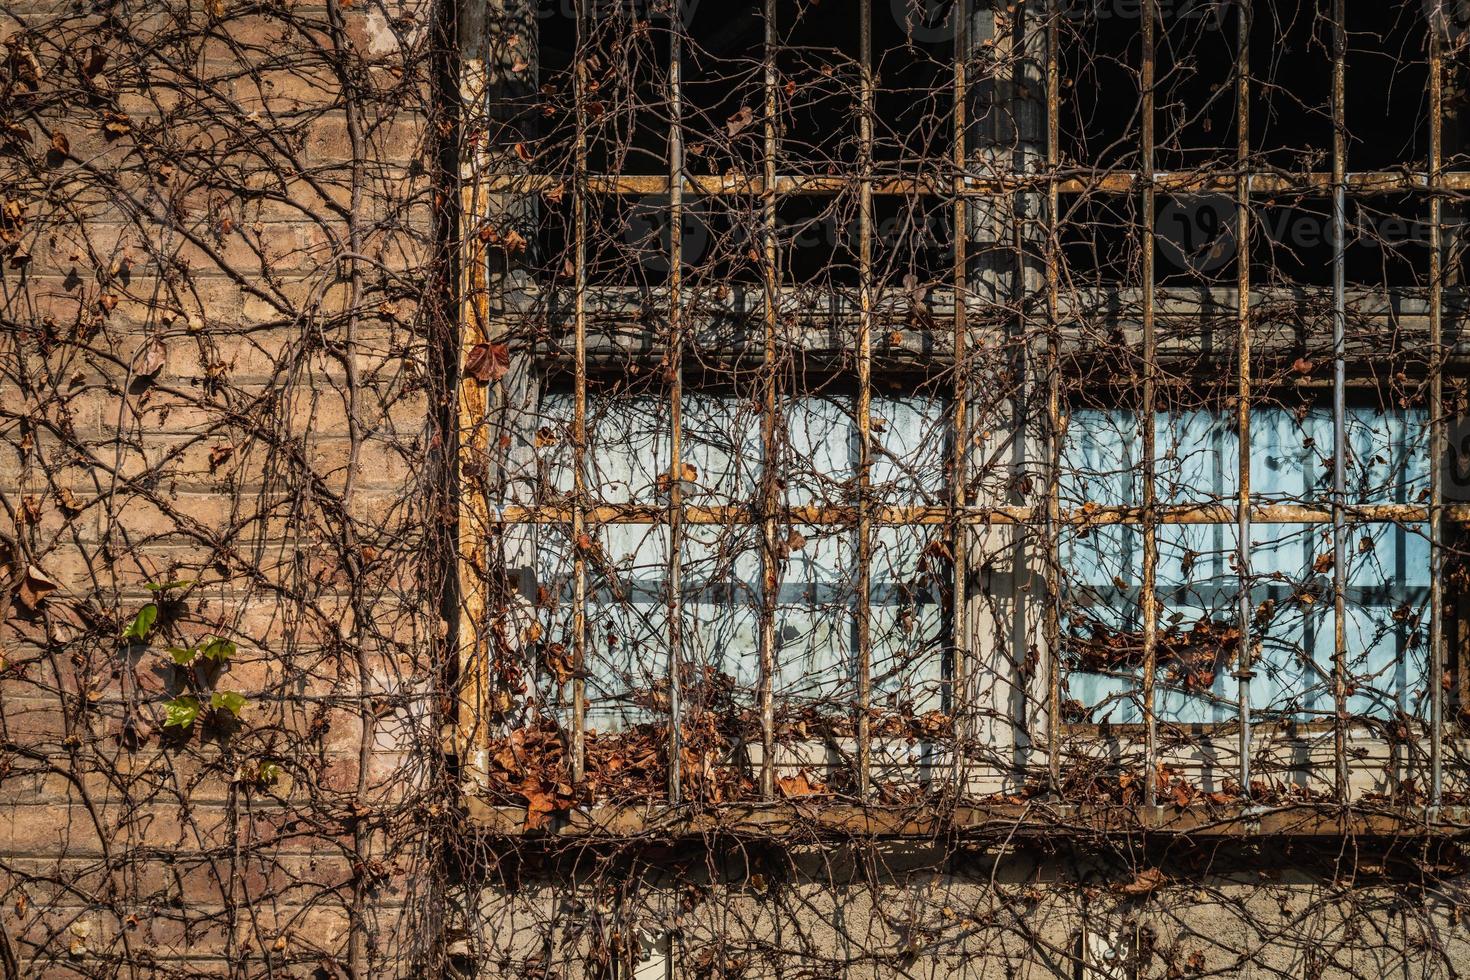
column 491, row 177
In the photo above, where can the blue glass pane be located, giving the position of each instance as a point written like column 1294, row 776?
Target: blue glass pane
column 1291, row 462
column 816, row 632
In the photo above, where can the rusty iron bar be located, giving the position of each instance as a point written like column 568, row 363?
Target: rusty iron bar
column 770, row 559
column 1148, row 598
column 1244, row 606
column 579, row 412
column 959, row 543
column 1339, row 398
column 1110, row 182
column 676, row 399
column 1436, row 417
column 904, row 516
column 1051, row 616
column 865, row 403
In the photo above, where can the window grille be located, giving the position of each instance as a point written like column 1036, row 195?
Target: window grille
column 1032, row 401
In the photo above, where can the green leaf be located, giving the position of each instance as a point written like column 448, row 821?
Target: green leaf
column 181, row 711
column 267, row 773
column 142, row 623
column 165, row 586
column 228, row 700
column 215, row 648
column 181, row 656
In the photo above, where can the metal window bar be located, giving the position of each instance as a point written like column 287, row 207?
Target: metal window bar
column 1339, row 399
column 1436, row 416
column 1051, row 624
column 1244, row 607
column 1147, row 598
column 770, row 559
column 1113, row 182
column 864, row 400
column 580, row 541
column 958, row 699
column 676, row 398
column 958, row 514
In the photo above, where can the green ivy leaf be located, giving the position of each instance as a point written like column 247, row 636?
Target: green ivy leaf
column 181, row 656
column 181, row 712
column 228, row 700
column 142, row 623
column 178, row 583
column 216, row 648
column 267, row 773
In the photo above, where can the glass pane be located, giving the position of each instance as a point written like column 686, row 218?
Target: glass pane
column 1291, row 564
column 816, row 630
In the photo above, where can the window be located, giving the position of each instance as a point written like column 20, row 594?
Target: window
column 879, row 400
column 1199, row 583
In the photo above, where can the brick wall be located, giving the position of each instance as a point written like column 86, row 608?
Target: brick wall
column 217, row 294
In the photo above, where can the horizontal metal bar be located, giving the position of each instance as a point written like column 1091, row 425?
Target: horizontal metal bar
column 1110, row 182
column 1006, row 515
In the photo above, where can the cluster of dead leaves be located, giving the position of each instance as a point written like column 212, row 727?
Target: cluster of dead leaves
column 530, row 765
column 1191, row 659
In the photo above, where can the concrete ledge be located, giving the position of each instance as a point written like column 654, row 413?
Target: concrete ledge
column 838, row 818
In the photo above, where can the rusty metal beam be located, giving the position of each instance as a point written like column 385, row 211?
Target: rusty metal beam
column 675, row 373
column 1148, row 598
column 1051, row 616
column 958, row 696
column 904, row 516
column 1111, row 182
column 1436, row 419
column 1244, row 607
column 1339, row 398
column 864, row 532
column 579, row 418
column 770, row 557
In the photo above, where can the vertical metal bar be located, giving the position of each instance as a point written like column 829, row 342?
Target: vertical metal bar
column 579, row 415
column 959, row 545
column 676, row 396
column 1244, row 608
column 1339, row 399
column 1148, row 599
column 865, row 400
column 770, row 560
column 1436, row 419
column 1051, row 624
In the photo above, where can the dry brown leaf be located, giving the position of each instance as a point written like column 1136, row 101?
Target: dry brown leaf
column 1145, row 882
column 116, row 124
column 487, row 363
column 798, row 785
column 69, row 501
column 152, row 357
column 740, row 121
column 1183, row 795
column 36, row 586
